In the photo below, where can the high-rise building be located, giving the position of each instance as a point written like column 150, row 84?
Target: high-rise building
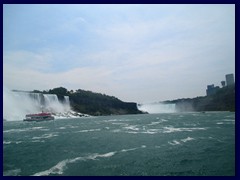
column 223, row 83
column 211, row 89
column 229, row 79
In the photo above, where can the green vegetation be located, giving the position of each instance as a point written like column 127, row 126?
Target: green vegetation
column 223, row 100
column 94, row 103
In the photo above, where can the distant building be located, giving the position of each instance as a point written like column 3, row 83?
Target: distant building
column 211, row 89
column 223, row 83
column 229, row 79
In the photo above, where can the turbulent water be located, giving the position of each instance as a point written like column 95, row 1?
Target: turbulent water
column 177, row 144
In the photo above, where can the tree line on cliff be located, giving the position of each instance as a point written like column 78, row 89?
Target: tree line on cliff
column 222, row 100
column 92, row 103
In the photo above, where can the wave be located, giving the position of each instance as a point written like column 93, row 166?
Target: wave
column 174, row 142
column 134, row 128
column 61, row 166
column 187, row 139
column 11, row 142
column 37, row 141
column 46, row 136
column 88, row 130
column 154, row 123
column 172, row 129
column 24, row 129
column 178, row 142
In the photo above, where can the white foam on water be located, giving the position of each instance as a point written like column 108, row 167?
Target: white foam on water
column 126, row 150
column 88, row 130
column 134, row 128
column 57, row 169
column 45, row 136
column 36, row 141
column 62, row 165
column 111, row 120
column 7, row 142
column 62, row 128
column 106, row 154
column 174, row 142
column 154, row 123
column 132, row 132
column 116, row 130
column 187, row 139
column 229, row 120
column 172, row 129
column 149, row 131
column 11, row 142
column 119, row 123
column 132, row 149
column 23, row 130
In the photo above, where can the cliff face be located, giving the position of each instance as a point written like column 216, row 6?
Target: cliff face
column 223, row 100
column 98, row 104
column 91, row 103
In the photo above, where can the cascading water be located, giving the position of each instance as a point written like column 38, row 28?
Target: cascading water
column 67, row 103
column 157, row 108
column 17, row 104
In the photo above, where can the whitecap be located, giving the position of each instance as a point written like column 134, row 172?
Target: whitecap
column 23, row 130
column 36, row 141
column 126, row 150
column 10, row 142
column 174, row 142
column 134, row 128
column 88, row 130
column 116, row 130
column 7, row 142
column 154, row 123
column 45, row 136
column 119, row 123
column 59, row 167
column 172, row 129
column 187, row 139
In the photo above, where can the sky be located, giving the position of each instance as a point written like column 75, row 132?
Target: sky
column 137, row 53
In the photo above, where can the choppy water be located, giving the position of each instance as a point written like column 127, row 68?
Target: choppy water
column 185, row 144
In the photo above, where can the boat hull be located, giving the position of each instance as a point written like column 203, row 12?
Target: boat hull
column 39, row 120
column 39, row 117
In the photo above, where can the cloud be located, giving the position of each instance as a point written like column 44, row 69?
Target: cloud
column 137, row 53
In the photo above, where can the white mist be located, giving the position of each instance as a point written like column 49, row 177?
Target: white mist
column 157, row 108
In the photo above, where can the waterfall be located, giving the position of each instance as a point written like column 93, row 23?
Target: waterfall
column 17, row 104
column 157, row 108
column 67, row 103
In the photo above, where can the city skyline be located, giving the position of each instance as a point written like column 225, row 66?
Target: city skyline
column 139, row 53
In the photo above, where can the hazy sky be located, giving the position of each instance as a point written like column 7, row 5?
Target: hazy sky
column 140, row 53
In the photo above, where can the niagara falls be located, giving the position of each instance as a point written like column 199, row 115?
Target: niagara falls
column 16, row 104
column 119, row 90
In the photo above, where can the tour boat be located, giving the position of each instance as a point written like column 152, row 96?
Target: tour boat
column 39, row 117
